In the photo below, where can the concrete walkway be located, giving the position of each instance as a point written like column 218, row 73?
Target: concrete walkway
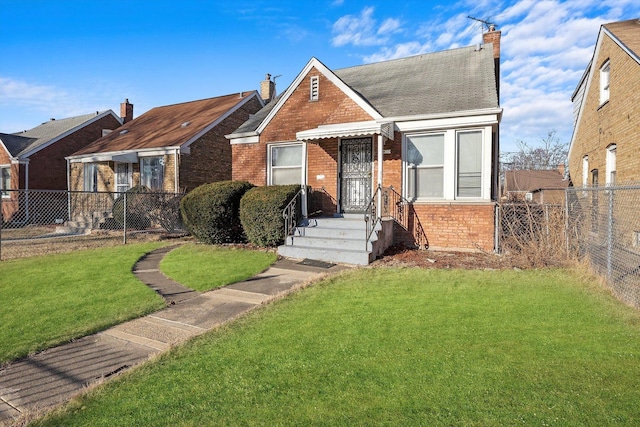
column 54, row 376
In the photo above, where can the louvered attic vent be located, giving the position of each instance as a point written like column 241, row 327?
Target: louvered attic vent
column 313, row 96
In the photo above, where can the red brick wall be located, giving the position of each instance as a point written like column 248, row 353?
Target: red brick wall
column 455, row 226
column 48, row 167
column 298, row 114
column 210, row 157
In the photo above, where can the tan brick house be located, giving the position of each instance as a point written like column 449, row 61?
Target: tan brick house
column 173, row 148
column 35, row 159
column 606, row 138
column 425, row 125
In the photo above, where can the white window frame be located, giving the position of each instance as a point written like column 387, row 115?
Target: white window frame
column 585, row 171
column 412, row 169
column 143, row 177
column 3, row 168
column 450, row 169
column 118, row 174
column 610, row 178
column 605, row 82
column 270, row 147
column 482, row 171
column 314, row 88
column 90, row 177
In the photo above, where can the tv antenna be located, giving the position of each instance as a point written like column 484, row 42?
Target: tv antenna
column 490, row 25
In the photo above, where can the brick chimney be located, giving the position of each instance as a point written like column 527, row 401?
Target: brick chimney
column 267, row 89
column 493, row 36
column 126, row 111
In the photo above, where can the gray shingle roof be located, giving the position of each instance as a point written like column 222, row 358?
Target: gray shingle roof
column 32, row 139
column 443, row 82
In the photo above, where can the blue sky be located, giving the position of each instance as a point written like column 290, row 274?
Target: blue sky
column 64, row 58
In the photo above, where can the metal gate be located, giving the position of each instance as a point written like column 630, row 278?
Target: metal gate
column 355, row 174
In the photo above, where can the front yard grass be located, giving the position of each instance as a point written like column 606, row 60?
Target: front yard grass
column 397, row 347
column 205, row 267
column 51, row 299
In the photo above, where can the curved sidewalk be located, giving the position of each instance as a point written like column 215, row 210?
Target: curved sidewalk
column 56, row 375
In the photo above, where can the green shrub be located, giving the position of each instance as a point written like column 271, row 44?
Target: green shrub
column 211, row 211
column 137, row 208
column 261, row 213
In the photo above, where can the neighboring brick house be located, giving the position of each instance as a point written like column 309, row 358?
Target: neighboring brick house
column 432, row 118
column 538, row 186
column 35, row 159
column 173, row 148
column 606, row 137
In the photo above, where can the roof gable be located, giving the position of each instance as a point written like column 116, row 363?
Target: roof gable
column 332, row 77
column 170, row 126
column 625, row 34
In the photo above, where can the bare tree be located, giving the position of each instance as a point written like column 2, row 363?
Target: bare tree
column 550, row 153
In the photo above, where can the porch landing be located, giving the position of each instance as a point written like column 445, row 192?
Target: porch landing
column 340, row 240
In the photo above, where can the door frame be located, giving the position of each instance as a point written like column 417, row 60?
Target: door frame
column 339, row 172
column 117, row 174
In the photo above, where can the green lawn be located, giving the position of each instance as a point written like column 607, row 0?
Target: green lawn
column 397, row 347
column 205, row 267
column 52, row 299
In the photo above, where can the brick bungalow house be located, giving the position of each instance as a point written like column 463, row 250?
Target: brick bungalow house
column 425, row 125
column 35, row 159
column 606, row 136
column 173, row 148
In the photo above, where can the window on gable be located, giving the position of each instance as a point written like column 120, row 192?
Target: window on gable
column 152, row 172
column 5, row 180
column 285, row 164
column 90, row 177
column 315, row 90
column 611, row 165
column 605, row 79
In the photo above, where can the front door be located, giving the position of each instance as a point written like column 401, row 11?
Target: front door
column 355, row 174
column 123, row 176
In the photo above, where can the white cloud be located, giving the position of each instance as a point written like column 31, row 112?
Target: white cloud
column 401, row 50
column 20, row 92
column 363, row 29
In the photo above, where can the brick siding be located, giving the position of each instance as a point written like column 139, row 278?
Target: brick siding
column 615, row 122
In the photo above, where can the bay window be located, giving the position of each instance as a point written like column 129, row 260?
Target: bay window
column 447, row 165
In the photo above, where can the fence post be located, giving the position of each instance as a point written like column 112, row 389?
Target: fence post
column 610, row 235
column 566, row 220
column 497, row 224
column 124, row 220
column 1, row 226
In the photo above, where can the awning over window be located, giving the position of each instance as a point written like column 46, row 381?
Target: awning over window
column 111, row 157
column 346, row 130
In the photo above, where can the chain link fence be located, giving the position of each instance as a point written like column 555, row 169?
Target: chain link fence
column 34, row 222
column 600, row 225
column 604, row 228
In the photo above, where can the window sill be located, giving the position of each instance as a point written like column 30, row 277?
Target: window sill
column 602, row 105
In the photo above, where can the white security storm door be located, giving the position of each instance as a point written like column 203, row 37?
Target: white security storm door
column 356, row 156
column 123, row 176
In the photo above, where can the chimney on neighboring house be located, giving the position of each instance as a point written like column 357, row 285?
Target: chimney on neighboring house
column 493, row 36
column 126, row 111
column 267, row 89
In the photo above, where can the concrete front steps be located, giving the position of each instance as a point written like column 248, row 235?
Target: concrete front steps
column 83, row 224
column 336, row 240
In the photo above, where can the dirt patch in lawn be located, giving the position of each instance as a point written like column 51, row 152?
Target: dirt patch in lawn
column 401, row 256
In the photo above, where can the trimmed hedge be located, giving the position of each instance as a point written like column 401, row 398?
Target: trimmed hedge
column 137, row 208
column 211, row 211
column 261, row 213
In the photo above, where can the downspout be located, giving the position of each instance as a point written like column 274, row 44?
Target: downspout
column 380, row 167
column 303, row 179
column 68, row 190
column 175, row 171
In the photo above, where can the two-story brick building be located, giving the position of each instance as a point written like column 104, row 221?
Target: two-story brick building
column 606, row 137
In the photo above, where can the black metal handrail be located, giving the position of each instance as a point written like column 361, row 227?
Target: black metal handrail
column 399, row 209
column 371, row 217
column 290, row 214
